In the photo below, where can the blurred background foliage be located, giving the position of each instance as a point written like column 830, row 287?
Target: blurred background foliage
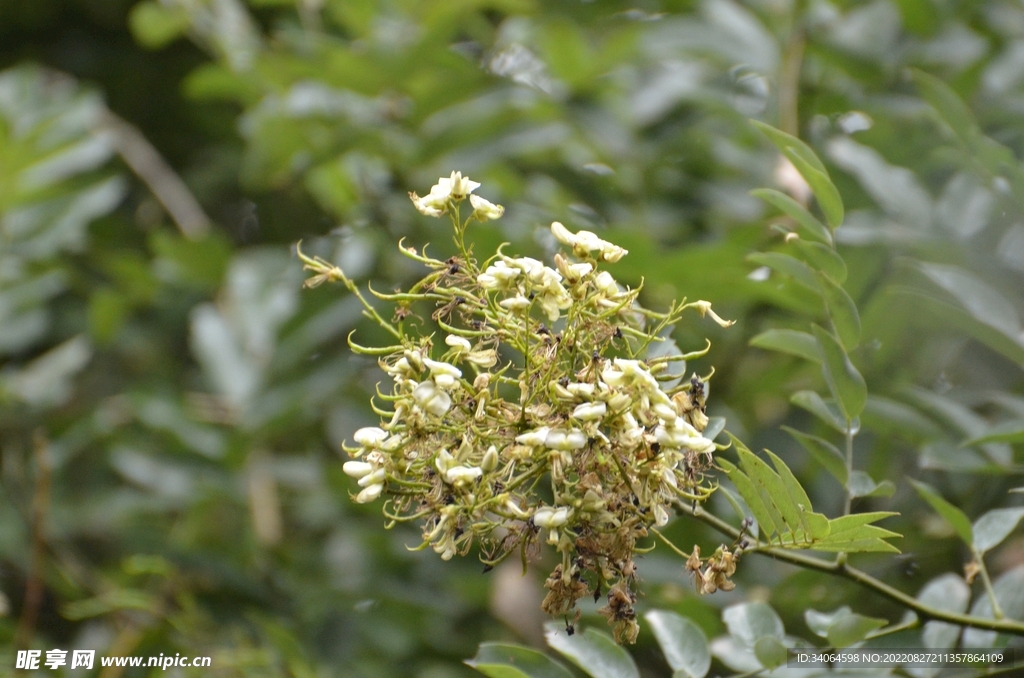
column 172, row 405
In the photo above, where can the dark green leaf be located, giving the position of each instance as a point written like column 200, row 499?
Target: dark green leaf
column 793, row 342
column 500, row 660
column 957, row 518
column 843, row 379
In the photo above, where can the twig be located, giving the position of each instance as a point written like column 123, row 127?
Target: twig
column 840, row 569
column 153, row 170
column 40, row 507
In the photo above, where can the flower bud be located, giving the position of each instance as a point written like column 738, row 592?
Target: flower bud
column 357, row 469
column 485, row 358
column 370, row 436
column 369, row 494
column 490, row 460
column 460, row 344
column 549, row 518
column 375, row 478
column 516, row 303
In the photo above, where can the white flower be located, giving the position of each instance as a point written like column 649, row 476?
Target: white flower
column 431, row 398
column 485, row 358
column 585, row 242
column 549, row 518
column 516, row 303
column 369, row 494
column 444, row 375
column 565, row 440
column 429, row 205
column 444, row 461
column 605, row 283
column 462, row 475
column 589, row 411
column 534, row 438
column 460, row 344
column 660, row 515
column 498, row 275
column 665, row 412
column 484, row 210
column 456, row 186
column 357, row 469
column 579, row 389
column 370, row 436
column 562, row 234
column 513, row 507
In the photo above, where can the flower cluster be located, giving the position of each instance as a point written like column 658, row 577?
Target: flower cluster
column 536, row 414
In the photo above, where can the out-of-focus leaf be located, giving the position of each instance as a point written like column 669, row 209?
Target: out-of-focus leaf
column 843, row 379
column 852, row 629
column 950, row 107
column 47, row 380
column 993, row 527
column 810, row 166
column 863, row 485
column 748, row 622
column 824, row 452
column 828, row 412
column 895, row 189
column 791, row 266
column 842, row 311
column 155, row 25
column 950, row 593
column 1006, row 432
column 683, row 643
column 793, row 342
column 810, row 225
column 957, row 518
column 1009, row 591
column 593, row 651
column 715, row 426
column 980, row 300
column 822, row 258
column 770, row 652
column 502, row 660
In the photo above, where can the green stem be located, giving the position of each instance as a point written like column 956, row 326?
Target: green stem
column 997, row 611
column 849, row 466
column 841, row 569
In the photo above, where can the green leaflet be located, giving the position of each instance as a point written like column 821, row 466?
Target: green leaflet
column 785, row 515
column 793, row 342
column 501, row 660
column 810, row 225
